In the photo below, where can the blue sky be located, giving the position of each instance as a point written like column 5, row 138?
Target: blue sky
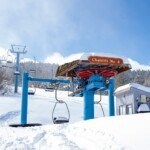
column 120, row 27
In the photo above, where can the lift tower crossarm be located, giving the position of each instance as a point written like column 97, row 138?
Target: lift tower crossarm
column 47, row 80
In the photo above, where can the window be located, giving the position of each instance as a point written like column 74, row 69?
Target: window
column 143, row 98
column 129, row 109
column 122, row 110
column 125, row 109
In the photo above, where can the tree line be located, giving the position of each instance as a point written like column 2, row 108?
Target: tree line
column 46, row 70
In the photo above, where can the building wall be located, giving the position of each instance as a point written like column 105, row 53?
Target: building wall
column 130, row 98
column 137, row 97
column 124, row 100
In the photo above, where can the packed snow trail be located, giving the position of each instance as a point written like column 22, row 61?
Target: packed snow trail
column 6, row 118
column 43, row 103
column 55, row 137
column 120, row 132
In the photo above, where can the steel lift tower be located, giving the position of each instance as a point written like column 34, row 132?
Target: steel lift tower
column 17, row 49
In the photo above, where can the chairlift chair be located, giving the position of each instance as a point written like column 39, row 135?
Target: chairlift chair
column 60, row 119
column 32, row 70
column 4, row 66
column 9, row 61
column 50, row 88
column 16, row 73
column 31, row 91
column 9, row 58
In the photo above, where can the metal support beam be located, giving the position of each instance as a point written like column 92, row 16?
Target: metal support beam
column 88, row 104
column 48, row 80
column 111, row 97
column 17, row 69
column 24, row 105
column 95, row 82
column 95, row 86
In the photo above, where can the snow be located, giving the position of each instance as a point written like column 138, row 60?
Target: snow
column 132, row 85
column 59, row 59
column 138, row 66
column 119, row 132
column 86, row 55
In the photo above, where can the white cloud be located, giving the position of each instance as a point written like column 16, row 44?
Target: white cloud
column 23, row 60
column 5, row 55
column 57, row 58
column 41, row 25
column 3, row 52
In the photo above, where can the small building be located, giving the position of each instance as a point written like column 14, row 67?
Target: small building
column 132, row 98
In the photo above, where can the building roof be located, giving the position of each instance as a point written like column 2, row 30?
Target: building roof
column 103, row 65
column 127, row 87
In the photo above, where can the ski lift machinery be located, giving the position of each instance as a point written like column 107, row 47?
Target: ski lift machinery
column 92, row 75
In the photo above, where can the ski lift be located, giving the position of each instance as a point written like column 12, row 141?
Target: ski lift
column 50, row 88
column 32, row 70
column 16, row 73
column 31, row 91
column 9, row 59
column 60, row 119
column 4, row 66
column 99, row 103
column 3, row 63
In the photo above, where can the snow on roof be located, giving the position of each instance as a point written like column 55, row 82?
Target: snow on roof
column 132, row 85
column 85, row 56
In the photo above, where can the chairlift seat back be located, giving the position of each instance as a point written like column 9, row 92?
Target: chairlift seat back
column 16, row 73
column 9, row 61
column 32, row 70
column 60, row 120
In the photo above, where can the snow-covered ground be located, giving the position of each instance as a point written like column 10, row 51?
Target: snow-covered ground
column 121, row 132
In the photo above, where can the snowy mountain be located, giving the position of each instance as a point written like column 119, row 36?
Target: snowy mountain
column 57, row 58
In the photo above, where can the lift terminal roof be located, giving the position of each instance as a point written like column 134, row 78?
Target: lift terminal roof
column 84, row 67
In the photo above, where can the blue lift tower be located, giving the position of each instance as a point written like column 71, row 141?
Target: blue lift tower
column 91, row 75
column 17, row 49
